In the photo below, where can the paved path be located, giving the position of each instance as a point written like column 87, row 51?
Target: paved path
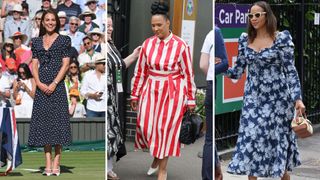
column 134, row 165
column 188, row 167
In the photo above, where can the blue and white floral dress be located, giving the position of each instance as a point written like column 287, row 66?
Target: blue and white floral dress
column 266, row 145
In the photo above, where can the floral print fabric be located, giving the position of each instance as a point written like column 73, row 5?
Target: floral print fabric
column 266, row 145
column 114, row 134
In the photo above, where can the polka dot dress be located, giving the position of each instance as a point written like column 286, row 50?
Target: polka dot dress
column 50, row 118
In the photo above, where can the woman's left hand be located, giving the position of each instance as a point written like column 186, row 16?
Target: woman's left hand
column 22, row 85
column 51, row 88
column 191, row 108
column 136, row 52
column 300, row 108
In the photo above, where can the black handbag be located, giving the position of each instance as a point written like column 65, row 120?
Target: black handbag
column 190, row 128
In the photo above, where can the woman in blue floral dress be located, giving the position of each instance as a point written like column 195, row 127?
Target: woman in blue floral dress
column 266, row 146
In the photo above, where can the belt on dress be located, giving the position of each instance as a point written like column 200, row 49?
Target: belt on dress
column 170, row 77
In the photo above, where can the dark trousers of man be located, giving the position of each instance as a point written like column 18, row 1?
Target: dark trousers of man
column 207, row 164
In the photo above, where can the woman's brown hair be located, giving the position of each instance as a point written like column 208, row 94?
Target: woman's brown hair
column 43, row 29
column 271, row 21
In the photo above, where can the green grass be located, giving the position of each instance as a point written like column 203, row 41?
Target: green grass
column 81, row 165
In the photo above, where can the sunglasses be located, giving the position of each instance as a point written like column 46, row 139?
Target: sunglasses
column 95, row 34
column 38, row 19
column 9, row 45
column 73, row 24
column 257, row 14
column 17, row 37
column 87, row 43
column 73, row 67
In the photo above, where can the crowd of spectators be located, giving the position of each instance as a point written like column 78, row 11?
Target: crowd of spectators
column 84, row 21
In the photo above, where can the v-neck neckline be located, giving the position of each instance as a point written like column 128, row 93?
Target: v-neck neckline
column 51, row 44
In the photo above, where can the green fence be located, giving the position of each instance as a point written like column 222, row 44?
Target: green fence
column 88, row 134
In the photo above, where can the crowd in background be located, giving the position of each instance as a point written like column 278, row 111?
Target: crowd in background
column 84, row 22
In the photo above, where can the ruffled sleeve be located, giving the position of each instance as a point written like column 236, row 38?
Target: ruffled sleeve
column 66, row 47
column 34, row 49
column 286, row 51
column 240, row 65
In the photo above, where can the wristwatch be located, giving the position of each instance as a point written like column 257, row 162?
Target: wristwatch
column 56, row 82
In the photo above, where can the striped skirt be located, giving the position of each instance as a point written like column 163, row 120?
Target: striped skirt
column 161, row 107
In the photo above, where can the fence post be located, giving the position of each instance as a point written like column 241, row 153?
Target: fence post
column 300, row 44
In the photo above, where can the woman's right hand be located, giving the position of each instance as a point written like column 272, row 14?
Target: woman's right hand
column 300, row 108
column 217, row 60
column 74, row 101
column 134, row 104
column 43, row 87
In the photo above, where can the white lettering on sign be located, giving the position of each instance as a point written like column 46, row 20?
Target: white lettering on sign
column 316, row 18
column 236, row 17
column 241, row 17
column 225, row 17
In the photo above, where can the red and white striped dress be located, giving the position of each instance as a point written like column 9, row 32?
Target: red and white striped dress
column 163, row 83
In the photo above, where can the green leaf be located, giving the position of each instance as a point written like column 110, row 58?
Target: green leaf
column 310, row 15
column 286, row 22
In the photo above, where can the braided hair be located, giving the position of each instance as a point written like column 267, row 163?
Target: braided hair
column 160, row 8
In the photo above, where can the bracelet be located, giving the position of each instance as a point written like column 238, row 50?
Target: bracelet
column 56, row 82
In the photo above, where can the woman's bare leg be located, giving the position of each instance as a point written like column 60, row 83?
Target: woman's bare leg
column 48, row 156
column 286, row 176
column 163, row 168
column 155, row 163
column 252, row 178
column 57, row 157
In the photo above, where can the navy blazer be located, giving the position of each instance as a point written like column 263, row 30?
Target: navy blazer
column 220, row 52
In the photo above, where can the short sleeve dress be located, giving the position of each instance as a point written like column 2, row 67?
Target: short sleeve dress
column 50, row 123
column 266, row 145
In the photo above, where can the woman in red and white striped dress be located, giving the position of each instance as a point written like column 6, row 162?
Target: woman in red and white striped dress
column 162, row 89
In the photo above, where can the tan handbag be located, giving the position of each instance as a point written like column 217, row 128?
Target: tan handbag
column 302, row 126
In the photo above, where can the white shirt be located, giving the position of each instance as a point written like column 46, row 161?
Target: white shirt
column 83, row 2
column 207, row 48
column 86, row 58
column 91, row 84
column 24, row 110
column 79, row 111
column 9, row 78
column 76, row 39
column 4, row 86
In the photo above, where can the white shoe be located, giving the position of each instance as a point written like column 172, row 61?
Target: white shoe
column 9, row 166
column 152, row 170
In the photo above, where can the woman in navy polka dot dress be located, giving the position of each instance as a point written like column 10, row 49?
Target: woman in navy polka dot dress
column 50, row 124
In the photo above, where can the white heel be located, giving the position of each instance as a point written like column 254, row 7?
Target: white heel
column 9, row 167
column 47, row 172
column 152, row 170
